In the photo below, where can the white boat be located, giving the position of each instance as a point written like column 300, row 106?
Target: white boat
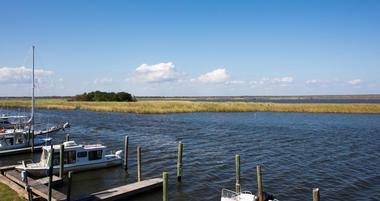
column 77, row 157
column 17, row 138
column 228, row 195
column 7, row 123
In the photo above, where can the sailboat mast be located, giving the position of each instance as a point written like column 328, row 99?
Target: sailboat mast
column 33, row 102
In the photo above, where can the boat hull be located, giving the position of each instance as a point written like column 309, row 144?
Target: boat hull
column 43, row 171
column 37, row 142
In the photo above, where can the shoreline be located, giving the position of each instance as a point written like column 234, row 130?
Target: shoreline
column 168, row 107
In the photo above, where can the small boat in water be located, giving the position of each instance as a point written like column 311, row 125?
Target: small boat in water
column 7, row 123
column 228, row 195
column 17, row 138
column 77, row 157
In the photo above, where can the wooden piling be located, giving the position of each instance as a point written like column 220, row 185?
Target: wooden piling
column 237, row 166
column 70, row 177
column 259, row 183
column 165, row 186
column 67, row 138
column 51, row 165
column 315, row 194
column 138, row 163
column 179, row 162
column 126, row 153
column 61, row 160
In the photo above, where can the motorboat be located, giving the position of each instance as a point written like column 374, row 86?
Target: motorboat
column 10, row 122
column 76, row 157
column 228, row 195
column 17, row 138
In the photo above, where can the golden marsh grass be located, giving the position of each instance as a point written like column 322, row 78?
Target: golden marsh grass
column 163, row 107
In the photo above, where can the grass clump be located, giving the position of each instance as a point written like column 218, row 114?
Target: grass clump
column 7, row 194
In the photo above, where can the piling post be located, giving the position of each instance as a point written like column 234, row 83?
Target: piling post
column 165, row 186
column 67, row 138
column 259, row 183
column 70, row 177
column 315, row 194
column 179, row 162
column 51, row 165
column 138, row 163
column 32, row 136
column 237, row 166
column 61, row 160
column 126, row 153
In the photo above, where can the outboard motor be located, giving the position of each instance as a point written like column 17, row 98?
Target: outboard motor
column 118, row 153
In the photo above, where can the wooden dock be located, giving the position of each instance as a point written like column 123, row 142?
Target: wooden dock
column 20, row 151
column 37, row 188
column 12, row 178
column 126, row 191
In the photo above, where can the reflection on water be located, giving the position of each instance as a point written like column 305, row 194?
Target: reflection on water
column 340, row 153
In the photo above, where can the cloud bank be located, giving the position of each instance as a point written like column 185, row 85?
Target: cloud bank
column 155, row 73
column 21, row 75
column 216, row 76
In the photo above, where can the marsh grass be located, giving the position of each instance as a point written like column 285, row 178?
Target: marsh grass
column 163, row 107
column 7, row 194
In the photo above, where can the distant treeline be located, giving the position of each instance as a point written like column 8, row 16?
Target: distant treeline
column 104, row 96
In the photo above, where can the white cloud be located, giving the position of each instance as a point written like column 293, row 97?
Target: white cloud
column 155, row 73
column 105, row 80
column 236, row 82
column 355, row 82
column 277, row 81
column 21, row 75
column 216, row 76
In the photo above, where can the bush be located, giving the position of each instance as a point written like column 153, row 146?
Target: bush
column 104, row 96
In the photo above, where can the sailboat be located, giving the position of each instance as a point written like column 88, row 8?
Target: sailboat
column 19, row 138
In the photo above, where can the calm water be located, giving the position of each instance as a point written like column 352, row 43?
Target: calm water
column 340, row 153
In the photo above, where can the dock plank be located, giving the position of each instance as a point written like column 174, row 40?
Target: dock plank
column 37, row 187
column 126, row 191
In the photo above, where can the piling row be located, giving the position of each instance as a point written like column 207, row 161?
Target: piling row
column 164, row 181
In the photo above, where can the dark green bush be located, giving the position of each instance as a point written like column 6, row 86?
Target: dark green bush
column 104, row 96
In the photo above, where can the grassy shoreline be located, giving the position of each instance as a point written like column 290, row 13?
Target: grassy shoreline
column 7, row 194
column 165, row 107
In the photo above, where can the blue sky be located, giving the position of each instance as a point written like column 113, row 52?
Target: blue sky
column 176, row 48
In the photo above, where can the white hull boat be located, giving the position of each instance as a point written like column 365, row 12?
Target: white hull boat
column 76, row 158
column 18, row 122
column 228, row 195
column 18, row 139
